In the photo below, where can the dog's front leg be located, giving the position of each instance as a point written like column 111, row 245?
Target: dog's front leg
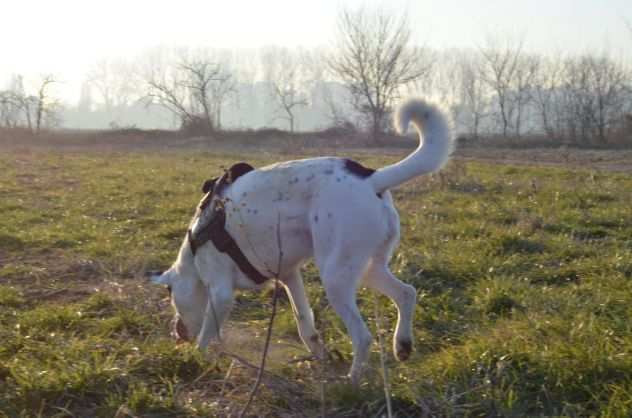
column 293, row 283
column 220, row 301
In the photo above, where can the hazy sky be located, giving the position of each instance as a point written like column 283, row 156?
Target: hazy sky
column 67, row 36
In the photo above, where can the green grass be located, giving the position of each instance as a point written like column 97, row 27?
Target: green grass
column 524, row 278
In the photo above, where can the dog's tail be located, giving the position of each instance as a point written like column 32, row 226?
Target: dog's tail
column 435, row 145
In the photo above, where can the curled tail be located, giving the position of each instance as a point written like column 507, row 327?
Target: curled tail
column 435, row 145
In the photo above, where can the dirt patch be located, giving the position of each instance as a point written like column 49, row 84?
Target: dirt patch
column 55, row 276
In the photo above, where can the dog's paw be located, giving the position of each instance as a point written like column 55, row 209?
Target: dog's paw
column 403, row 349
column 354, row 378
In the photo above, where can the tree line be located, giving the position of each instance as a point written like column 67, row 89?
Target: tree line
column 496, row 89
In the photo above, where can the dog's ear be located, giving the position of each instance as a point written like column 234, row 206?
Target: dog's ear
column 209, row 185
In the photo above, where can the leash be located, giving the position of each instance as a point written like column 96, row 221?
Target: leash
column 266, row 346
column 264, row 356
column 215, row 231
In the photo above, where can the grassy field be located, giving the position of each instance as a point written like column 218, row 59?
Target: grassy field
column 524, row 278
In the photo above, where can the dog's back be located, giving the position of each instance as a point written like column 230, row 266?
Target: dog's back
column 300, row 199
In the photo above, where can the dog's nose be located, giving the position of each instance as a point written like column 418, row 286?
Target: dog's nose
column 151, row 273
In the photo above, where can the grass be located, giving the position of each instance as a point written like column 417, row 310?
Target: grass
column 524, row 278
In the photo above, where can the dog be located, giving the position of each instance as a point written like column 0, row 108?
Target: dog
column 333, row 210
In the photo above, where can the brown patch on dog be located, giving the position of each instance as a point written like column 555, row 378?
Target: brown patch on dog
column 358, row 169
column 209, row 185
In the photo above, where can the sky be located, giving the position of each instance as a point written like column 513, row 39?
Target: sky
column 67, row 37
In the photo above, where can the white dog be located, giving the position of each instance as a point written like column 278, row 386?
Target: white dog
column 331, row 209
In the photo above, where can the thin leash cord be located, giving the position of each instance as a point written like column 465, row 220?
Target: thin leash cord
column 264, row 356
column 380, row 336
column 275, row 298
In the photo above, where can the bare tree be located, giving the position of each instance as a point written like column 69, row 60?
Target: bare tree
column 474, row 92
column 187, row 89
column 283, row 71
column 522, row 86
column 611, row 87
column 223, row 87
column 198, row 78
column 166, row 90
column 243, row 102
column 116, row 84
column 9, row 109
column 45, row 104
column 547, row 83
column 101, row 78
column 327, row 98
column 19, row 107
column 334, row 100
column 323, row 110
column 374, row 60
column 501, row 66
column 597, row 95
column 446, row 82
column 33, row 111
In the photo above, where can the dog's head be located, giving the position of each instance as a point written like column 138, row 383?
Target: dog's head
column 187, row 292
column 189, row 297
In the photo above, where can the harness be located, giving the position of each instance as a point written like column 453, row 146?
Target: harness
column 215, row 230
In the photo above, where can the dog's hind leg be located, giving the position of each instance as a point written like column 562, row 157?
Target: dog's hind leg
column 380, row 278
column 293, row 283
column 340, row 279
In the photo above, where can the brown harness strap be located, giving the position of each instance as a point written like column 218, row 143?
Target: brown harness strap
column 215, row 230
